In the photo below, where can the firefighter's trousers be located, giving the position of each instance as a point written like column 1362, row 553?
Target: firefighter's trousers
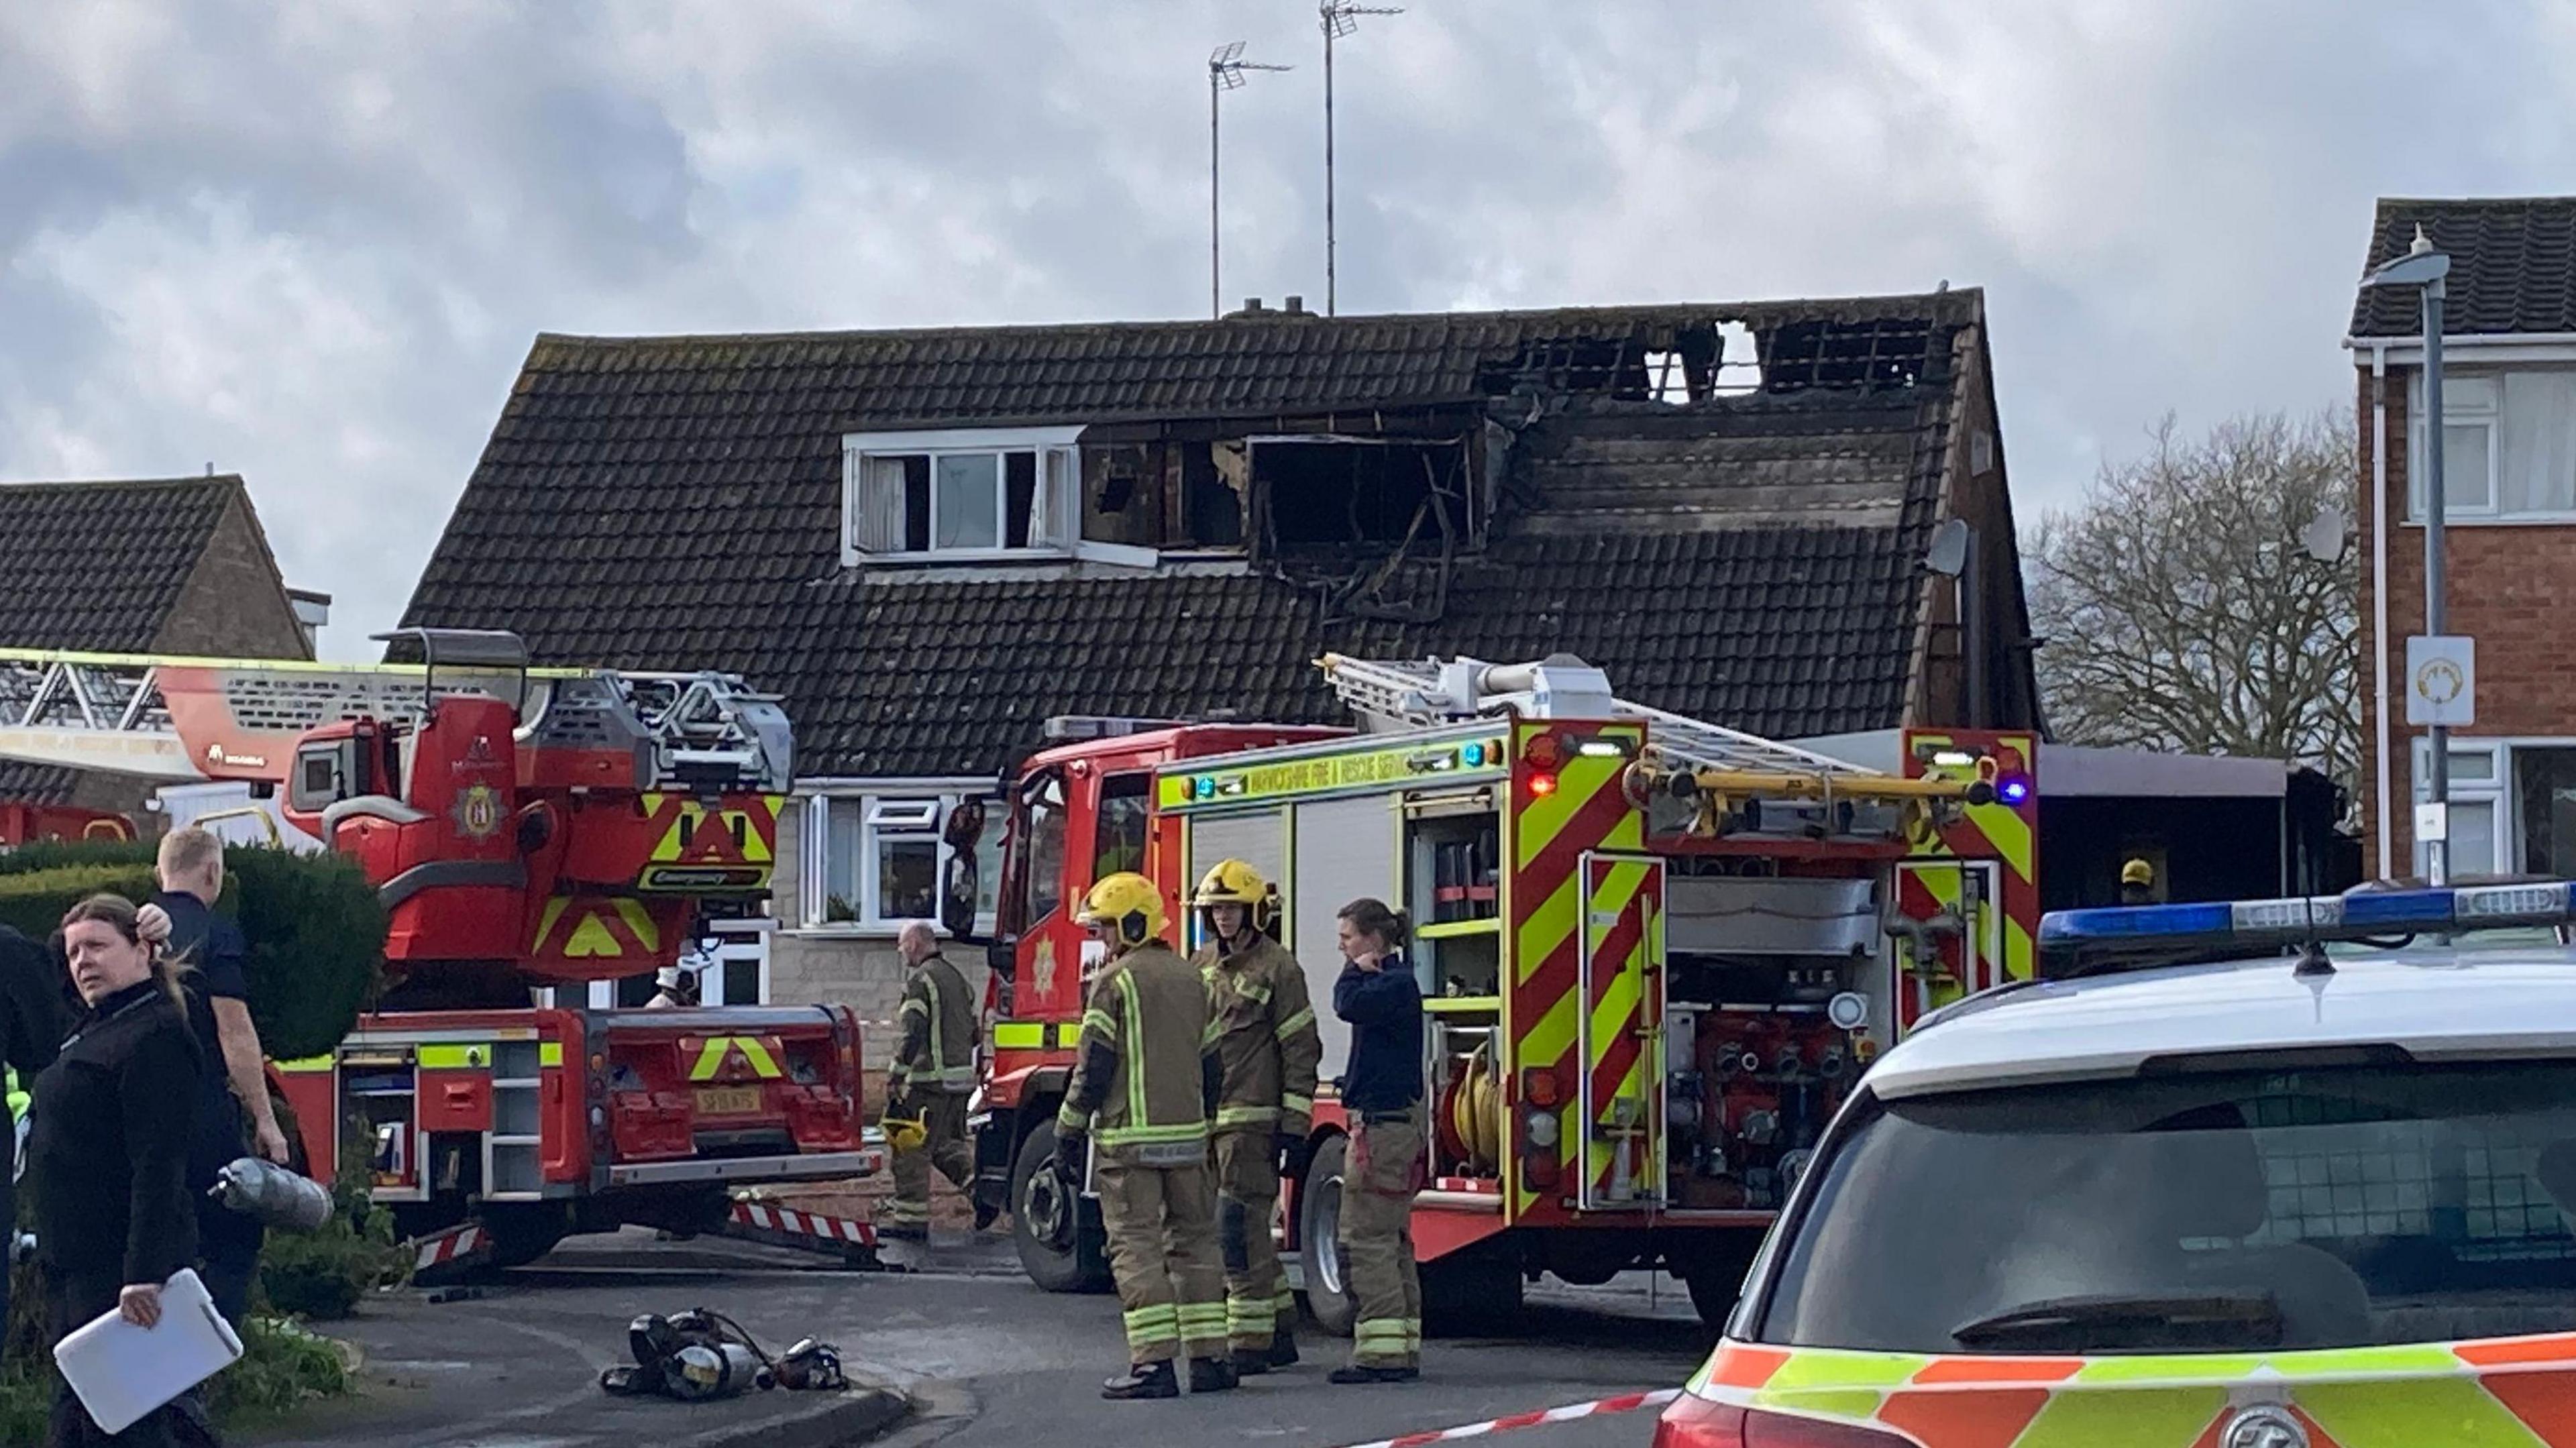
column 1381, row 1175
column 1258, row 1305
column 943, row 1145
column 1162, row 1248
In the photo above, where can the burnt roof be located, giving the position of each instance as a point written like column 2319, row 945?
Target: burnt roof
column 674, row 502
column 2513, row 266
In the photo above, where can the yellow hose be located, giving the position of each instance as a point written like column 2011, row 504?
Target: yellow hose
column 1475, row 1118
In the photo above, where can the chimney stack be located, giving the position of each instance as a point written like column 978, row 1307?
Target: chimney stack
column 1296, row 305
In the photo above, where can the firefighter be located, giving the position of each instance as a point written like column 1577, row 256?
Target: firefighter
column 1382, row 1089
column 1147, row 1079
column 932, row 1075
column 1269, row 1046
column 2137, row 882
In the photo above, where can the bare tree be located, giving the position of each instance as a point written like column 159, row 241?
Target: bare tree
column 2184, row 609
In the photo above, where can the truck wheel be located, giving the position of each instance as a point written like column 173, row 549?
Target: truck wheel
column 1061, row 1246
column 1470, row 1296
column 1716, row 1278
column 522, row 1234
column 1319, row 1253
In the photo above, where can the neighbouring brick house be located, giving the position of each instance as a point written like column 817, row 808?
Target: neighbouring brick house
column 162, row 566
column 2509, row 428
column 932, row 541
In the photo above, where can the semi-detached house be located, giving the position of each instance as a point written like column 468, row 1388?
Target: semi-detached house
column 2509, row 479
column 931, row 542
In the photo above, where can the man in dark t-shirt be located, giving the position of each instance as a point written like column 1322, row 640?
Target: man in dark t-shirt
column 233, row 1108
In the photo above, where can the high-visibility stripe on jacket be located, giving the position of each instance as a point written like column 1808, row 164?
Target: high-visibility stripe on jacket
column 1267, row 1042
column 1147, row 1075
column 938, row 1019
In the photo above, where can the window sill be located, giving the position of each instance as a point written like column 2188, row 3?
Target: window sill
column 936, row 556
column 2501, row 520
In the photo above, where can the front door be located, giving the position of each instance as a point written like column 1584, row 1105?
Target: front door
column 1953, row 945
column 1620, row 1033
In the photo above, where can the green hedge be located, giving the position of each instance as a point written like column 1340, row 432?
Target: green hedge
column 315, row 927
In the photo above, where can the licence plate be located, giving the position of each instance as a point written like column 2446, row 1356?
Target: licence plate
column 728, row 1100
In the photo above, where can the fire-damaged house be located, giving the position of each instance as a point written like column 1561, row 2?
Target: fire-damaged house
column 932, row 542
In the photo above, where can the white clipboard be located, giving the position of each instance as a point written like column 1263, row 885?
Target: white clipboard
column 122, row 1372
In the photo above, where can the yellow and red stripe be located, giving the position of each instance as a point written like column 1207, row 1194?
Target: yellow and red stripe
column 1548, row 833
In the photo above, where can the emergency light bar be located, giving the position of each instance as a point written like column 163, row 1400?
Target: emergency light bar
column 2255, row 927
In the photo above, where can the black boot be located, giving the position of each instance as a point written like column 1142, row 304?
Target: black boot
column 1211, row 1375
column 1251, row 1362
column 1145, row 1380
column 986, row 1213
column 1362, row 1373
column 1283, row 1349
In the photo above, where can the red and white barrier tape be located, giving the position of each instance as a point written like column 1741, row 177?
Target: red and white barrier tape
column 1598, row 1407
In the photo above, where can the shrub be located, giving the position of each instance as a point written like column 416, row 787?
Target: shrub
column 323, row 1274
column 316, row 929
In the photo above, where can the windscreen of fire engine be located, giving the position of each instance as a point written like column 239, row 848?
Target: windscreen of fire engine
column 2339, row 1207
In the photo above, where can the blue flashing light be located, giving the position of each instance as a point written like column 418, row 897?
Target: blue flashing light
column 1473, row 754
column 2254, row 927
column 2013, row 791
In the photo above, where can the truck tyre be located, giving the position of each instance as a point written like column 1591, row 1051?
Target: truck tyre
column 1319, row 1254
column 1474, row 1294
column 1715, row 1277
column 522, row 1233
column 1061, row 1246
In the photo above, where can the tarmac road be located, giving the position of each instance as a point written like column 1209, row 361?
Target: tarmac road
column 988, row 1359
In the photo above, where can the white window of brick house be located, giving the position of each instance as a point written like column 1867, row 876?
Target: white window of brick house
column 995, row 493
column 874, row 861
column 2508, row 446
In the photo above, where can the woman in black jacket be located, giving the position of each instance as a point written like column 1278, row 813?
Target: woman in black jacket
column 1382, row 1091
column 107, row 1157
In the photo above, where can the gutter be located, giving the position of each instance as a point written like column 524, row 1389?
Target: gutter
column 2379, row 600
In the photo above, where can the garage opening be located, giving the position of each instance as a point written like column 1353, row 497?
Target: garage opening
column 1328, row 491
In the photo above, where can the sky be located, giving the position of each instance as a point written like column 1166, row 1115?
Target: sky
column 311, row 243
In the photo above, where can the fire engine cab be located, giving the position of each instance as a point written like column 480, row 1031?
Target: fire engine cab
column 1655, row 952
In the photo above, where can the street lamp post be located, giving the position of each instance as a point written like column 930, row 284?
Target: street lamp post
column 1225, row 72
column 2424, row 268
column 1340, row 18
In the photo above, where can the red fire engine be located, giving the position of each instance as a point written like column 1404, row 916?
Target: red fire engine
column 27, row 824
column 1655, row 952
column 526, row 829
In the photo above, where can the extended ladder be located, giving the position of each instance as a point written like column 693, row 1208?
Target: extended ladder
column 114, row 712
column 1686, row 758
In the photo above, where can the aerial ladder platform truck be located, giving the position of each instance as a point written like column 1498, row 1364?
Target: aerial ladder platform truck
column 527, row 830
column 1655, row 953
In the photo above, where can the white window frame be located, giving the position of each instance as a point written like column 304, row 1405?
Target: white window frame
column 2489, row 416
column 2500, row 790
column 887, row 810
column 1054, row 530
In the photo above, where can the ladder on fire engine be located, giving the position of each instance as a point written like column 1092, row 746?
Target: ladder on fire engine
column 112, row 712
column 1717, row 768
column 1431, row 692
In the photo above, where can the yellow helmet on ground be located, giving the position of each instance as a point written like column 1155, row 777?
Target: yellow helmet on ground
column 2138, row 872
column 1232, row 882
column 1129, row 904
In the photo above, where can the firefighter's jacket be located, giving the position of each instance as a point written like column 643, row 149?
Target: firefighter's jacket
column 1267, row 1040
column 1148, row 1070
column 938, row 1019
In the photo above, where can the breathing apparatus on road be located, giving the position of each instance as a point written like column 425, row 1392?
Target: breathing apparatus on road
column 700, row 1355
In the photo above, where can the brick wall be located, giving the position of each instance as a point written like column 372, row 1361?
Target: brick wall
column 2511, row 587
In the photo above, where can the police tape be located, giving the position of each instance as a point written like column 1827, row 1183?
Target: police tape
column 1597, row 1408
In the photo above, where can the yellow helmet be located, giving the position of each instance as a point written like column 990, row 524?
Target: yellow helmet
column 1129, row 902
column 2138, row 872
column 1232, row 882
column 906, row 1133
